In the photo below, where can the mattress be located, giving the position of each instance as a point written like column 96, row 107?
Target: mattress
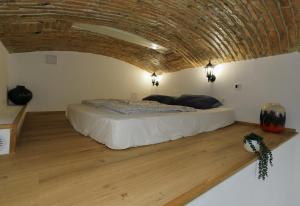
column 119, row 131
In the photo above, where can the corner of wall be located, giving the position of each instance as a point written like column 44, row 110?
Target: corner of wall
column 88, row 76
column 3, row 75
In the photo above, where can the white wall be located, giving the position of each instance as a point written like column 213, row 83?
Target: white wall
column 77, row 76
column 263, row 80
column 295, row 186
column 3, row 74
column 188, row 81
column 244, row 189
column 270, row 79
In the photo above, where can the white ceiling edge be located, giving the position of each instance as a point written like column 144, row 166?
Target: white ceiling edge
column 119, row 34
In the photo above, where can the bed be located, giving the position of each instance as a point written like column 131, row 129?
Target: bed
column 120, row 131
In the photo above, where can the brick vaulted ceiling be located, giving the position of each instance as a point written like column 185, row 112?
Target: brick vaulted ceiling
column 193, row 31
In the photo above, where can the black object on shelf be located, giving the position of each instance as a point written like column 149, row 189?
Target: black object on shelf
column 19, row 95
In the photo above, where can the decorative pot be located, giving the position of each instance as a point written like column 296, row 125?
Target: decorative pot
column 254, row 143
column 20, row 95
column 272, row 118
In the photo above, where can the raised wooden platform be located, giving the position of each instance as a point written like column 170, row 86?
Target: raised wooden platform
column 55, row 165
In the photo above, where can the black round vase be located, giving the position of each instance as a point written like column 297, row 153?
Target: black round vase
column 19, row 95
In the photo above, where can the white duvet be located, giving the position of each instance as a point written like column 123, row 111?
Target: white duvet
column 136, row 107
column 121, row 131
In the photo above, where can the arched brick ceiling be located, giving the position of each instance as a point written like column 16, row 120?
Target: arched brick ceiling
column 193, row 31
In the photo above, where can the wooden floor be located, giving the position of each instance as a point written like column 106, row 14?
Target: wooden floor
column 54, row 165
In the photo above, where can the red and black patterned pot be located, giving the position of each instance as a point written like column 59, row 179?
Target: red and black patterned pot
column 272, row 118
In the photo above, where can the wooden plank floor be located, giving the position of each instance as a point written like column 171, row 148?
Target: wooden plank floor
column 54, row 165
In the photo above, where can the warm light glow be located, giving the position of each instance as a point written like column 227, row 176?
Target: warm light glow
column 209, row 70
column 147, row 76
column 154, row 46
column 218, row 69
column 119, row 34
column 159, row 78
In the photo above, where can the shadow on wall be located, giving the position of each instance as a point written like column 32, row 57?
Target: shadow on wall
column 270, row 79
column 76, row 76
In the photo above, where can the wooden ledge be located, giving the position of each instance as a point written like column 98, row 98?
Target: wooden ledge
column 15, row 126
column 16, row 129
column 257, row 125
column 273, row 141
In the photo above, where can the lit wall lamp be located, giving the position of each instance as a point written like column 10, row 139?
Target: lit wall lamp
column 209, row 68
column 154, row 79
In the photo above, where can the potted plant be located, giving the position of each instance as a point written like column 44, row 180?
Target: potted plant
column 254, row 143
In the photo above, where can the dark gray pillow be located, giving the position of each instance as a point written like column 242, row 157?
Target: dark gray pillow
column 161, row 99
column 198, row 101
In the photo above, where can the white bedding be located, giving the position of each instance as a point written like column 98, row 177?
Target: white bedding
column 136, row 107
column 120, row 131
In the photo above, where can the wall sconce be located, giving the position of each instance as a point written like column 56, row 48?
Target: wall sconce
column 209, row 68
column 154, row 80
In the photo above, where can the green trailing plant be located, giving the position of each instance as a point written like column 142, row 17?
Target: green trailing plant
column 264, row 154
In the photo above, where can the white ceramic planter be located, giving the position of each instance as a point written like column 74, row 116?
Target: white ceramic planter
column 248, row 147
